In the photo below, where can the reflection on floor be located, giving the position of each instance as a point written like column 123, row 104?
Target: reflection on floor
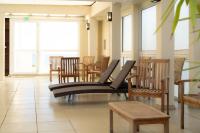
column 27, row 106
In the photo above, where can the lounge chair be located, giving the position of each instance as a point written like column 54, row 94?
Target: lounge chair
column 103, row 78
column 117, row 86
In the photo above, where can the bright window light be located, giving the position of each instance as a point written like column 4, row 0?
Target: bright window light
column 127, row 33
column 149, row 28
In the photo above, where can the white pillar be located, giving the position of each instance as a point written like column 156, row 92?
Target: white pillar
column 166, row 45
column 83, row 39
column 194, row 48
column 115, row 34
column 2, row 47
column 92, row 37
column 136, row 32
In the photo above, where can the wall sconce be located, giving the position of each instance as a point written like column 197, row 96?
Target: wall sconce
column 109, row 16
column 87, row 25
column 155, row 1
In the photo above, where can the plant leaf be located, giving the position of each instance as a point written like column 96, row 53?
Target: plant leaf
column 177, row 15
column 193, row 10
column 165, row 15
column 187, row 1
column 168, row 9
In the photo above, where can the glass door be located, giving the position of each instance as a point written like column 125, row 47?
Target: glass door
column 24, row 48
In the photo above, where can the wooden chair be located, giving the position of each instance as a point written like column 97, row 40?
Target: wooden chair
column 85, row 66
column 98, row 67
column 54, row 65
column 151, row 81
column 191, row 99
column 178, row 68
column 69, row 69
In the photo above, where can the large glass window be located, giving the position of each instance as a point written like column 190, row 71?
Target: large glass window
column 181, row 42
column 34, row 42
column 149, row 28
column 181, row 35
column 57, row 38
column 127, row 33
column 24, row 47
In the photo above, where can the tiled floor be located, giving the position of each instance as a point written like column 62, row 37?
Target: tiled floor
column 27, row 106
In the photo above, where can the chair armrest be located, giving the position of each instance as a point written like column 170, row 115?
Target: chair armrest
column 187, row 80
column 131, row 76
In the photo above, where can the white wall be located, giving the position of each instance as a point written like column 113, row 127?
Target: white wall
column 2, row 46
column 49, row 9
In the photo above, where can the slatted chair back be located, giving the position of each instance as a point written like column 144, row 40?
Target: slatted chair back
column 87, row 60
column 159, row 74
column 104, row 63
column 143, row 72
column 178, row 68
column 54, row 65
column 69, row 67
column 54, row 62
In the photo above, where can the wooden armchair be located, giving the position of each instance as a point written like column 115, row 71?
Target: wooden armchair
column 178, row 68
column 85, row 66
column 151, row 81
column 98, row 67
column 68, row 69
column 54, row 65
column 191, row 99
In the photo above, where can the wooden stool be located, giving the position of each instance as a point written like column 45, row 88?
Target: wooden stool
column 138, row 113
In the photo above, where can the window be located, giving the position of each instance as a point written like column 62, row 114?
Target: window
column 127, row 33
column 181, row 35
column 35, row 41
column 57, row 39
column 149, row 28
column 24, row 47
column 181, row 42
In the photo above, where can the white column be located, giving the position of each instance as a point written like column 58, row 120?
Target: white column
column 166, row 45
column 194, row 48
column 115, row 34
column 136, row 31
column 2, row 47
column 92, row 37
column 83, row 39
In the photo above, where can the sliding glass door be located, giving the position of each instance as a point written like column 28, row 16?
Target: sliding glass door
column 24, row 48
column 35, row 41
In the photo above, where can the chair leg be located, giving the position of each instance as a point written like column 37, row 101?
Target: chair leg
column 126, row 96
column 50, row 75
column 179, row 95
column 168, row 103
column 182, row 114
column 162, row 103
column 59, row 79
column 64, row 79
column 69, row 98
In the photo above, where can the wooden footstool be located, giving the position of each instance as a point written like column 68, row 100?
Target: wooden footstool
column 138, row 113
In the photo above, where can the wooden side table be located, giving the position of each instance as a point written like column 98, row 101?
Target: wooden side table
column 138, row 113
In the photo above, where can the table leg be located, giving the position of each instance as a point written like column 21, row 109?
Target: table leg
column 166, row 126
column 133, row 128
column 111, row 121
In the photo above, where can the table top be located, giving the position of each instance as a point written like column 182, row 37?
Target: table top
column 136, row 110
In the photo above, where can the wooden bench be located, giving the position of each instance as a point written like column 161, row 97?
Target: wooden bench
column 138, row 113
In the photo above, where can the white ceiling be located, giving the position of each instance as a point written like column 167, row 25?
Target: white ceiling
column 48, row 2
column 63, row 2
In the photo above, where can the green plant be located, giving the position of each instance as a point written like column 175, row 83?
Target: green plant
column 193, row 15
